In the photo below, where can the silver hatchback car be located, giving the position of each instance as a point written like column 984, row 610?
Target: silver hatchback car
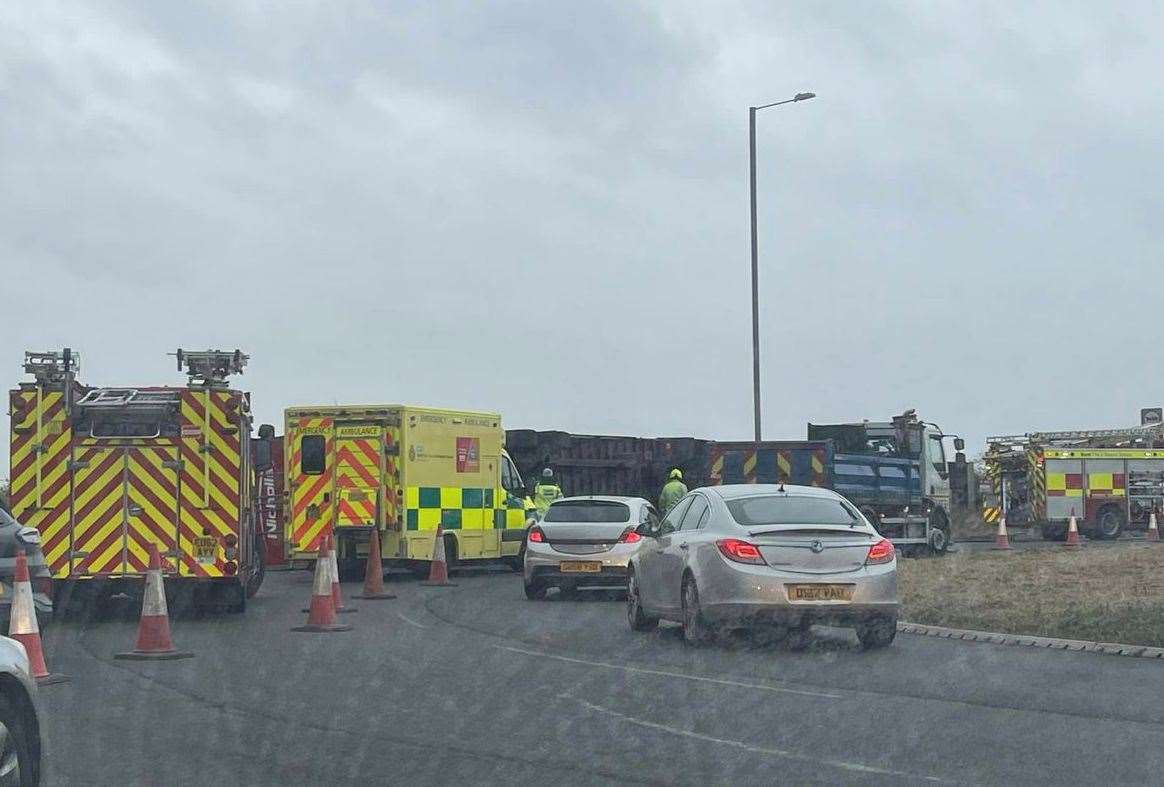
column 585, row 542
column 759, row 556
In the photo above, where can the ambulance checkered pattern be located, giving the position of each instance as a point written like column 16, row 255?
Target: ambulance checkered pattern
column 462, row 509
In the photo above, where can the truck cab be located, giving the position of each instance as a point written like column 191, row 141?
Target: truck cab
column 897, row 473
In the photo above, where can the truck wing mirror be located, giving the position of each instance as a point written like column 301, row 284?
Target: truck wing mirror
column 959, row 444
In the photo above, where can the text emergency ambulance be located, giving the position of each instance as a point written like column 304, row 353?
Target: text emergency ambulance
column 404, row 470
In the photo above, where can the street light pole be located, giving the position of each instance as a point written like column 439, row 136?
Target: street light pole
column 756, row 254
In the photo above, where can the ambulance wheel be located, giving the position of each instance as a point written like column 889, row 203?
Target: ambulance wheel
column 517, row 562
column 450, row 552
column 347, row 561
column 260, row 571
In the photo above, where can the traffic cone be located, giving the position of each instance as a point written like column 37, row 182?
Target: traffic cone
column 1072, row 541
column 438, row 572
column 1153, row 533
column 1001, row 540
column 153, row 631
column 22, row 625
column 321, row 614
column 374, row 573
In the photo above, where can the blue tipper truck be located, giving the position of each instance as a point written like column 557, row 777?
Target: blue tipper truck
column 895, row 472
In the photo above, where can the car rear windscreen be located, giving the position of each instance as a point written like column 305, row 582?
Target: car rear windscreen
column 790, row 510
column 588, row 511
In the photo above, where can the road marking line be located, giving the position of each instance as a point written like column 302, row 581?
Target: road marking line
column 669, row 674
column 410, row 620
column 791, row 755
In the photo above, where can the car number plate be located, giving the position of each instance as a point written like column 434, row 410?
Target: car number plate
column 205, row 549
column 820, row 592
column 580, row 566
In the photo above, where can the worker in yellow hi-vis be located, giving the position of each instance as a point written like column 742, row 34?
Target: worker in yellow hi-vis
column 546, row 492
column 673, row 491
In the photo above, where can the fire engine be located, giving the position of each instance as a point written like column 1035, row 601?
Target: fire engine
column 1108, row 479
column 104, row 472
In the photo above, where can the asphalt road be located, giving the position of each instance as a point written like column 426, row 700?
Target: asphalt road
column 474, row 684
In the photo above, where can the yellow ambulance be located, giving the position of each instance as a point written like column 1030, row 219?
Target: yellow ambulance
column 404, row 470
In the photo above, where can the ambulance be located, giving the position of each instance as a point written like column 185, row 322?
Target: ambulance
column 403, row 470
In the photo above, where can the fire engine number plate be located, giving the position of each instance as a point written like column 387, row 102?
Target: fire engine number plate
column 820, row 592
column 205, row 549
column 580, row 566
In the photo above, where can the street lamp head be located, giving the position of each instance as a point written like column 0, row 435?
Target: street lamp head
column 804, row 96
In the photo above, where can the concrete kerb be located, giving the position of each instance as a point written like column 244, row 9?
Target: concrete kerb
column 1052, row 643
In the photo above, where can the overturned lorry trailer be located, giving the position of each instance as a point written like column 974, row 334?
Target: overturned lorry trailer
column 895, row 472
column 1110, row 480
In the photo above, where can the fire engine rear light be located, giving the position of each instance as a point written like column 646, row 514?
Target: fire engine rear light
column 537, row 535
column 740, row 551
column 231, row 540
column 881, row 552
column 230, row 569
column 630, row 537
column 231, row 553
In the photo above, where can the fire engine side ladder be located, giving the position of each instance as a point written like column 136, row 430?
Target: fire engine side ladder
column 209, row 370
column 49, row 368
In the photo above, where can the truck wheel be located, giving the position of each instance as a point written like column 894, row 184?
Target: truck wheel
column 1054, row 532
column 1109, row 522
column 940, row 538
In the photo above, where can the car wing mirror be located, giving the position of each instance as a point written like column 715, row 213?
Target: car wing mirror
column 647, row 529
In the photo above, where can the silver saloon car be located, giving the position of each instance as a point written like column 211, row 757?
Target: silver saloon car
column 771, row 557
column 585, row 542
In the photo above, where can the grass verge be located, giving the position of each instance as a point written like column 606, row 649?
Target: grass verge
column 1114, row 594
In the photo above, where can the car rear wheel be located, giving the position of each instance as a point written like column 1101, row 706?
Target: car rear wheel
column 17, row 767
column 535, row 590
column 695, row 628
column 639, row 620
column 877, row 632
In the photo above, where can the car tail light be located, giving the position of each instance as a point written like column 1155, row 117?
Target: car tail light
column 42, row 585
column 630, row 537
column 740, row 551
column 881, row 552
column 537, row 536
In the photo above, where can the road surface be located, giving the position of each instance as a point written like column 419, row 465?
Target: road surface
column 474, row 684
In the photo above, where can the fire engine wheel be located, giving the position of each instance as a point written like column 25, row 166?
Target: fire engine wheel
column 1109, row 522
column 260, row 570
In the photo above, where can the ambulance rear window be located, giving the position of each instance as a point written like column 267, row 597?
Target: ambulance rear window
column 312, row 459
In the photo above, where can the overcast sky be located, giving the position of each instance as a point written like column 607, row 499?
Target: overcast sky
column 541, row 208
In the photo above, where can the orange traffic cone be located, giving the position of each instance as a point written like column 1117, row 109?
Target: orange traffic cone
column 438, row 573
column 153, row 631
column 1072, row 541
column 1001, row 539
column 374, row 573
column 321, row 614
column 22, row 625
column 1153, row 533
